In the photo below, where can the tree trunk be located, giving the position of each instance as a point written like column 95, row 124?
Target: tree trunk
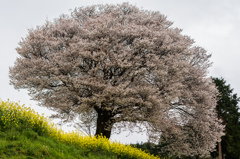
column 219, row 143
column 219, row 150
column 104, row 124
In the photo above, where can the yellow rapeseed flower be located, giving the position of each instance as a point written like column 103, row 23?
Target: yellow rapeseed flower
column 28, row 116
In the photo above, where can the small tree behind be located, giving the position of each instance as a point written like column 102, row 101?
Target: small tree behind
column 228, row 111
column 127, row 66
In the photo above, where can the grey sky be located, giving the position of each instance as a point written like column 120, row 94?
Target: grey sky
column 213, row 24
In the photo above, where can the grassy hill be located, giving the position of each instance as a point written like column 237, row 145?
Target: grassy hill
column 24, row 134
column 28, row 144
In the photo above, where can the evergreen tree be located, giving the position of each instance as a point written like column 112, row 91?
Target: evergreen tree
column 228, row 111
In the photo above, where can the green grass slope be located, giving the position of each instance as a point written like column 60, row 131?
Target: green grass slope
column 24, row 134
column 27, row 144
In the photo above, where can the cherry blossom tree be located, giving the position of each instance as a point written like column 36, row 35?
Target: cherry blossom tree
column 126, row 65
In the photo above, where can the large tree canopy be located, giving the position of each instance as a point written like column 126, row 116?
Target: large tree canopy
column 125, row 65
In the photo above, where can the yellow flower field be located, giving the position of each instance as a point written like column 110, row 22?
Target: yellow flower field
column 20, row 117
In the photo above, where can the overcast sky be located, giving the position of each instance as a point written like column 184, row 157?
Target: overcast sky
column 213, row 24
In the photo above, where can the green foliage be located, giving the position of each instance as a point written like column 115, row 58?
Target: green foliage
column 155, row 150
column 147, row 147
column 228, row 111
column 152, row 149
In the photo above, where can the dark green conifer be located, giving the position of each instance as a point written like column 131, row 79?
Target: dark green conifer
column 228, row 111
